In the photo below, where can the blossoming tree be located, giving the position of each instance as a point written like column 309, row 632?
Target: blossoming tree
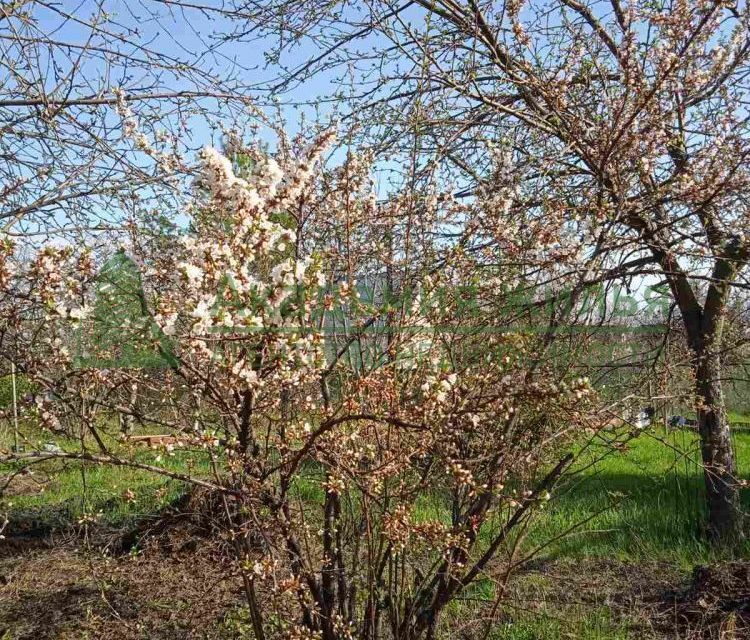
column 624, row 120
column 327, row 417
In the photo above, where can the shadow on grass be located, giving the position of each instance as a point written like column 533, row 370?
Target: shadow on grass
column 630, row 516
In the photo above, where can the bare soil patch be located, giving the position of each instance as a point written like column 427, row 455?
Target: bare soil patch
column 167, row 578
column 569, row 589
column 171, row 578
column 72, row 593
column 714, row 605
column 23, row 484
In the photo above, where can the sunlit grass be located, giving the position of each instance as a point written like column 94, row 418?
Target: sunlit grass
column 58, row 492
column 642, row 504
column 650, row 501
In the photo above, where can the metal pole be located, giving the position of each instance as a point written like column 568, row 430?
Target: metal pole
column 15, row 405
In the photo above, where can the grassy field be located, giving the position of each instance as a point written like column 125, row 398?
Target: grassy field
column 649, row 500
column 633, row 517
column 639, row 508
column 61, row 492
column 650, row 497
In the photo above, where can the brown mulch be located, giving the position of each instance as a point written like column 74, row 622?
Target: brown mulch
column 73, row 593
column 168, row 578
column 715, row 605
column 23, row 484
column 196, row 518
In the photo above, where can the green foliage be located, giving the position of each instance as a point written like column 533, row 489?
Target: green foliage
column 23, row 387
column 121, row 333
column 237, row 625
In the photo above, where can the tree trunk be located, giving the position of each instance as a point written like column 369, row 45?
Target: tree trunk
column 719, row 468
column 127, row 419
column 704, row 329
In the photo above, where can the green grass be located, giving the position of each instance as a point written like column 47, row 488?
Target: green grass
column 61, row 492
column 733, row 417
column 651, row 498
column 583, row 624
column 643, row 504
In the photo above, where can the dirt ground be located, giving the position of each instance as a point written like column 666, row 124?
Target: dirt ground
column 67, row 589
column 71, row 592
column 715, row 604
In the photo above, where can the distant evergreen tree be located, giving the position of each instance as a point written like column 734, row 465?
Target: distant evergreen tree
column 119, row 332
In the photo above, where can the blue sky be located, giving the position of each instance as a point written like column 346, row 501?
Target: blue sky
column 187, row 36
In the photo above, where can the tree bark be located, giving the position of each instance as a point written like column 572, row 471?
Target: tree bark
column 127, row 419
column 704, row 329
column 719, row 468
